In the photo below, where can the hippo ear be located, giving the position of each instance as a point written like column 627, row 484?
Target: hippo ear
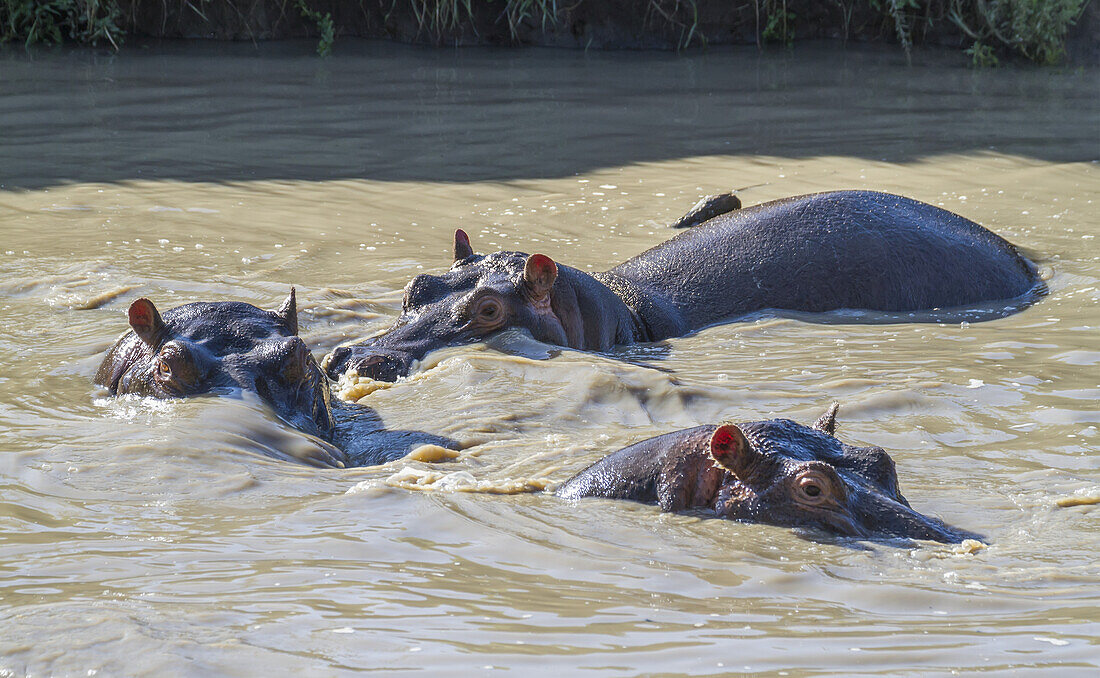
column 145, row 321
column 826, row 423
column 539, row 274
column 288, row 312
column 462, row 245
column 730, row 448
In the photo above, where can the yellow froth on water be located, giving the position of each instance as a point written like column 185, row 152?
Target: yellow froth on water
column 412, row 478
column 101, row 299
column 1083, row 500
column 351, row 387
column 432, row 454
column 967, row 547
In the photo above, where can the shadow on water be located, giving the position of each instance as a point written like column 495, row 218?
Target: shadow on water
column 367, row 442
column 235, row 420
column 360, row 439
column 232, row 112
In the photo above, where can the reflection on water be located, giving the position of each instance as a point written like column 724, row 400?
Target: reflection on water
column 138, row 536
column 392, row 113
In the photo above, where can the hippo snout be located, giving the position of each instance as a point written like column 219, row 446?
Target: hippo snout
column 906, row 523
column 283, row 373
column 295, row 361
column 334, row 363
column 375, row 363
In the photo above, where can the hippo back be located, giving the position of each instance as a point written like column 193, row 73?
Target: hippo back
column 827, row 251
column 634, row 472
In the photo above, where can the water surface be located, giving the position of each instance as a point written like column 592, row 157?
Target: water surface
column 180, row 538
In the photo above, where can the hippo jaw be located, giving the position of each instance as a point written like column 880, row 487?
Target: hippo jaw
column 870, row 518
column 878, row 515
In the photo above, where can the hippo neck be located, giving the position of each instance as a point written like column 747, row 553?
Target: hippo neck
column 659, row 317
column 593, row 316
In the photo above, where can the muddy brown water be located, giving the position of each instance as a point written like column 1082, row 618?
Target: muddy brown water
column 180, row 538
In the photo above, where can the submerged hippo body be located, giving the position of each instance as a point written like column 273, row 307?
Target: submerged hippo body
column 813, row 253
column 776, row 472
column 201, row 347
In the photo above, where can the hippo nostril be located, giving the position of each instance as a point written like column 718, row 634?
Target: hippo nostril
column 295, row 361
column 382, row 367
column 367, row 361
column 336, row 363
column 293, row 372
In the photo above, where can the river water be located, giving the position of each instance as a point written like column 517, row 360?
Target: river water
column 182, row 538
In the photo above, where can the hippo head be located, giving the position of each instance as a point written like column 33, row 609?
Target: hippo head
column 782, row 473
column 478, row 296
column 200, row 347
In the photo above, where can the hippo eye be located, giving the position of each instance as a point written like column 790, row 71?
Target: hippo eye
column 487, row 311
column 176, row 366
column 813, row 488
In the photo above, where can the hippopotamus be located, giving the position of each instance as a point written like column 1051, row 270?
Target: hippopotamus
column 811, row 253
column 205, row 346
column 776, row 472
column 707, row 208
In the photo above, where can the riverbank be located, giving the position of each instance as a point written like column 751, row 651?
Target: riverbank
column 1047, row 32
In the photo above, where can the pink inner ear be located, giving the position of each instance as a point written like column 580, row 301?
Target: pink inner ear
column 722, row 440
column 726, row 443
column 543, row 266
column 141, row 314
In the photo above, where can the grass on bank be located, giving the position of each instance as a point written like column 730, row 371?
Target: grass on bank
column 1035, row 29
column 87, row 22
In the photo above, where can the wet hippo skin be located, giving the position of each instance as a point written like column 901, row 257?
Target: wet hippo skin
column 811, row 253
column 777, row 472
column 204, row 346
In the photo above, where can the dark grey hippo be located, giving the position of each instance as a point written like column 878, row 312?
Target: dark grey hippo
column 206, row 346
column 811, row 253
column 776, row 472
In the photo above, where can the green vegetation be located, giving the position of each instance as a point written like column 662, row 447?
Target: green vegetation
column 779, row 26
column 996, row 29
column 325, row 27
column 1034, row 28
column 518, row 11
column 53, row 21
column 441, row 17
column 688, row 29
column 982, row 56
column 899, row 13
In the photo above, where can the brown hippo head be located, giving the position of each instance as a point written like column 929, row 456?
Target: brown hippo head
column 776, row 471
column 203, row 347
column 478, row 296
